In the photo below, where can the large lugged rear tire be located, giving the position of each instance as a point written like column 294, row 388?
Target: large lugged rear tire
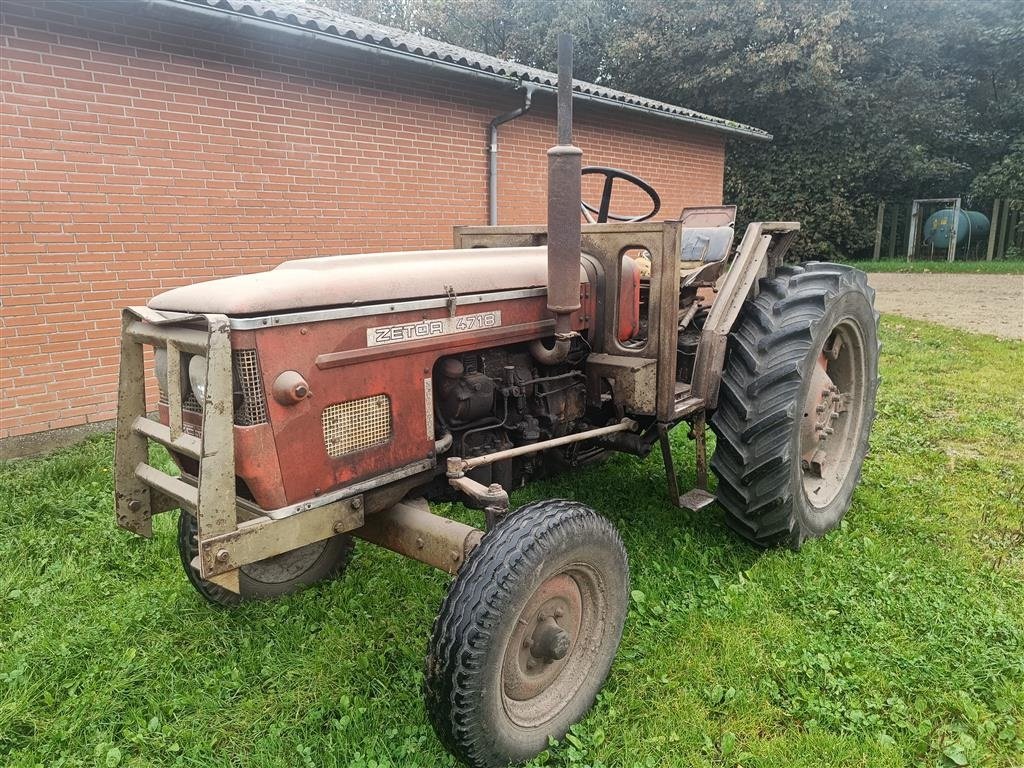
column 270, row 578
column 796, row 404
column 526, row 634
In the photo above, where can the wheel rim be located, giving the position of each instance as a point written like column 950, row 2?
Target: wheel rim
column 286, row 566
column 830, row 429
column 553, row 646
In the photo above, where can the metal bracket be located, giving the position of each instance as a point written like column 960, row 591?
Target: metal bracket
column 453, row 299
column 698, row 497
column 492, row 499
column 263, row 538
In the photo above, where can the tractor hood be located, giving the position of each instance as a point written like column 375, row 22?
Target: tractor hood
column 363, row 278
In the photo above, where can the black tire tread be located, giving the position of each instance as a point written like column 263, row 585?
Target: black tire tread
column 473, row 602
column 758, row 406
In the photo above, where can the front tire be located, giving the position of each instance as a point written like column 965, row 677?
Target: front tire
column 796, row 404
column 527, row 633
column 266, row 579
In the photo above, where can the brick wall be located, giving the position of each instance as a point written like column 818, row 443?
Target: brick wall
column 138, row 154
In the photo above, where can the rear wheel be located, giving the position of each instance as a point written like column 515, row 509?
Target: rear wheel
column 273, row 577
column 796, row 404
column 527, row 633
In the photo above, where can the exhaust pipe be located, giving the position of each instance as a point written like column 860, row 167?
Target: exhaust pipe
column 565, row 164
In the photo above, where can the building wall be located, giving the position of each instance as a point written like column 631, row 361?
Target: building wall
column 138, row 154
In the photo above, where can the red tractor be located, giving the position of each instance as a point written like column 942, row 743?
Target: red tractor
column 333, row 398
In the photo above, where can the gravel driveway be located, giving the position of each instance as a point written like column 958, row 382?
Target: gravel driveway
column 992, row 304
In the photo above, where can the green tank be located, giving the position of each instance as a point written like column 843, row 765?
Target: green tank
column 971, row 226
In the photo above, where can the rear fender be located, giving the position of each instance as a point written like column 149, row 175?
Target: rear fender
column 760, row 253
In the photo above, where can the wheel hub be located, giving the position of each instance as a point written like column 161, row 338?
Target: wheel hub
column 549, row 642
column 826, row 403
column 827, row 430
column 543, row 639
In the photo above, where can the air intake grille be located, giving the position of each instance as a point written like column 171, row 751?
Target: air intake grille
column 357, row 424
column 253, row 408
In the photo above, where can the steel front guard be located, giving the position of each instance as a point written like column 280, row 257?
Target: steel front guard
column 232, row 531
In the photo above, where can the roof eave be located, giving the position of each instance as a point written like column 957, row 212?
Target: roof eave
column 307, row 35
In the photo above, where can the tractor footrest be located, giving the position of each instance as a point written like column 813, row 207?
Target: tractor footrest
column 697, row 499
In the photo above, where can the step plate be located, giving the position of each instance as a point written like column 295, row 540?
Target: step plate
column 695, row 500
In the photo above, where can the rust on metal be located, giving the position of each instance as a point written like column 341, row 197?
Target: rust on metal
column 564, row 184
column 262, row 538
column 411, row 529
column 633, row 380
column 132, row 503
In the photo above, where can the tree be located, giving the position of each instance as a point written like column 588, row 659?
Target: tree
column 868, row 101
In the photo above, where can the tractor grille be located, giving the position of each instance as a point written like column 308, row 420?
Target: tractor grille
column 189, row 404
column 253, row 408
column 357, row 424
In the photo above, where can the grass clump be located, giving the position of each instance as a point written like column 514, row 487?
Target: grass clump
column 941, row 267
column 896, row 641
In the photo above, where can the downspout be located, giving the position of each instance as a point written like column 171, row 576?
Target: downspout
column 492, row 152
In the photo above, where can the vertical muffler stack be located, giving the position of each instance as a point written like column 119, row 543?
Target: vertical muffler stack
column 565, row 163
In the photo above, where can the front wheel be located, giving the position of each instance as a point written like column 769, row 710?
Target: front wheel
column 527, row 633
column 796, row 404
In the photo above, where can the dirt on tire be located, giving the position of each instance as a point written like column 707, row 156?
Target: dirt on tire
column 992, row 304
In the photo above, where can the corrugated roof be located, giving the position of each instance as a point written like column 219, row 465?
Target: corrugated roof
column 328, row 22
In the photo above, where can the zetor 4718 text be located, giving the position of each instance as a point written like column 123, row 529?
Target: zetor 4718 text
column 333, row 398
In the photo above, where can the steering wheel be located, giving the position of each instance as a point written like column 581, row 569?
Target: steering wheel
column 610, row 175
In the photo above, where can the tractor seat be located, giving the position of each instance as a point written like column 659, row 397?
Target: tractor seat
column 707, row 237
column 706, row 244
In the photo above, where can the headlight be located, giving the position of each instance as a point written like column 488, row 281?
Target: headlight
column 197, row 378
column 160, row 354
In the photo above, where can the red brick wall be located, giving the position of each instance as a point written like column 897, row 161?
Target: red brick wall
column 137, row 154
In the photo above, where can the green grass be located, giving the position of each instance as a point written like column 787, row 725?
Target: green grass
column 898, row 640
column 957, row 267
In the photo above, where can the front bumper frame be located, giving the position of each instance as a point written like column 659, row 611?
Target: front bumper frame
column 231, row 531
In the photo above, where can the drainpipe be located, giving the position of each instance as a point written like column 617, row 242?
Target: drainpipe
column 492, row 153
